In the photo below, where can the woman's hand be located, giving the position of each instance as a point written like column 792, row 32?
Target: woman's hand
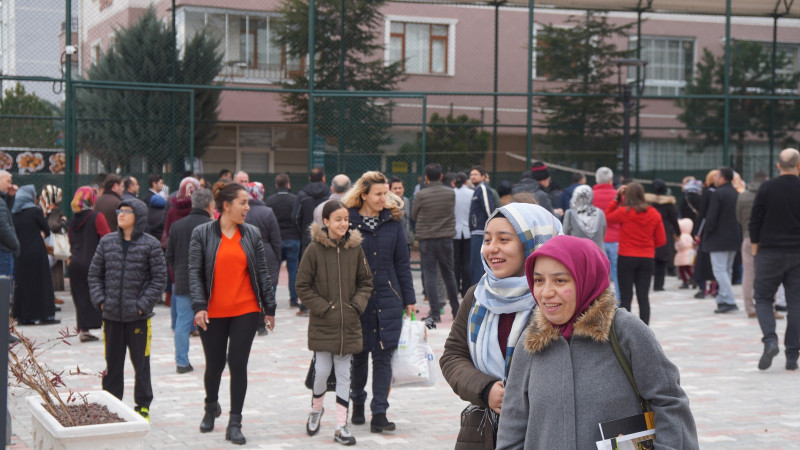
column 270, row 321
column 410, row 310
column 496, row 397
column 201, row 320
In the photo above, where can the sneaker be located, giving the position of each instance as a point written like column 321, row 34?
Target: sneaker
column 143, row 411
column 770, row 350
column 294, row 304
column 723, row 308
column 184, row 369
column 85, row 336
column 314, row 419
column 791, row 363
column 343, row 436
column 700, row 294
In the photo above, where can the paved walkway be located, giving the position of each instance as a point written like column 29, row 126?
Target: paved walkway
column 735, row 405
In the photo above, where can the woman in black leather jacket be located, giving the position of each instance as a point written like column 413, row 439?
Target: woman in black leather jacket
column 230, row 286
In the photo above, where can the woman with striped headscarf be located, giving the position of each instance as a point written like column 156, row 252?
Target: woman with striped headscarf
column 50, row 204
column 85, row 229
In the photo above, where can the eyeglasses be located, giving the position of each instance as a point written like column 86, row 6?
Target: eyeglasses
column 124, row 211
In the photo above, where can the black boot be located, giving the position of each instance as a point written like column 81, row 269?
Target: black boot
column 358, row 415
column 380, row 424
column 234, row 431
column 213, row 410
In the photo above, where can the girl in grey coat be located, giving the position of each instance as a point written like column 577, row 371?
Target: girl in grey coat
column 565, row 380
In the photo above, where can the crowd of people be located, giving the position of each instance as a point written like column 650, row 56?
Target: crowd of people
column 528, row 269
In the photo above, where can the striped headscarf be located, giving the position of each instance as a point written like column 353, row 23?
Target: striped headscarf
column 50, row 197
column 495, row 296
column 84, row 199
column 189, row 186
column 255, row 190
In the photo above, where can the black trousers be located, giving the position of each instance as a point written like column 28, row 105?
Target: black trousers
column 381, row 379
column 461, row 261
column 659, row 274
column 238, row 332
column 635, row 271
column 439, row 252
column 135, row 337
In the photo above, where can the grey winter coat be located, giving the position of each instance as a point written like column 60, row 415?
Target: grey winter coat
column 203, row 257
column 128, row 283
column 558, row 392
column 528, row 184
column 8, row 236
column 263, row 218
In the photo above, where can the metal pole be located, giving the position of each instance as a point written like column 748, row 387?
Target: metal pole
column 311, row 49
column 626, row 131
column 176, row 171
column 638, row 89
column 424, row 130
column 496, row 81
column 772, row 91
column 727, row 86
column 191, row 131
column 69, row 117
column 341, row 87
column 5, row 300
column 529, row 106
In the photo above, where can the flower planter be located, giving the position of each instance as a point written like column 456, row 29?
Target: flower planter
column 49, row 434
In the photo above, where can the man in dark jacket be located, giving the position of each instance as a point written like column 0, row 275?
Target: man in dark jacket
column 307, row 200
column 535, row 181
column 775, row 238
column 9, row 244
column 130, row 187
column 109, row 201
column 480, row 208
column 434, row 212
column 180, row 236
column 155, row 205
column 282, row 204
column 722, row 237
column 126, row 278
column 566, row 195
column 262, row 217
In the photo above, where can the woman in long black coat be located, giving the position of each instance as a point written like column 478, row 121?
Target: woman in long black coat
column 85, row 229
column 702, row 262
column 34, row 299
column 665, row 205
column 376, row 213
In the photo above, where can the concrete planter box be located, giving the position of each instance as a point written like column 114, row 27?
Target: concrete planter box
column 49, row 434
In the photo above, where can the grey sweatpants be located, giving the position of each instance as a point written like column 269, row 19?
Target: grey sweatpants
column 322, row 370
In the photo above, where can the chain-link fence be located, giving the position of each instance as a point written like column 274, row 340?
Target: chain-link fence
column 396, row 85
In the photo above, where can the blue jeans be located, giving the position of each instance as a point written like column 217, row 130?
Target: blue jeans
column 182, row 305
column 722, row 265
column 7, row 264
column 290, row 252
column 612, row 252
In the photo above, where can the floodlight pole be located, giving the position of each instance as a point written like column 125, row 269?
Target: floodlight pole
column 727, row 87
column 772, row 92
column 626, row 98
column 529, row 108
column 311, row 50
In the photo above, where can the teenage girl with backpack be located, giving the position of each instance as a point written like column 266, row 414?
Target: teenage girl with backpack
column 335, row 283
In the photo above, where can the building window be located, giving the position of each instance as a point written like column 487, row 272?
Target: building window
column 670, row 64
column 96, row 53
column 422, row 46
column 790, row 52
column 246, row 41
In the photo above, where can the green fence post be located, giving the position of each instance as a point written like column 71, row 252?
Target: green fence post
column 311, row 51
column 529, row 112
column 727, row 86
column 424, row 130
column 191, row 130
column 69, row 113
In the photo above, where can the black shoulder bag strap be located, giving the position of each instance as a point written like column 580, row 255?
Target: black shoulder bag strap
column 626, row 366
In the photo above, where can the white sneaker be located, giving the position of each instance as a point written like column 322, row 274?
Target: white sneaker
column 314, row 419
column 343, row 436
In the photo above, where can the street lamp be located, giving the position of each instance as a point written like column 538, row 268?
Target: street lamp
column 626, row 98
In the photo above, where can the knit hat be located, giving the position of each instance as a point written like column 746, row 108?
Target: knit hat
column 539, row 171
column 659, row 187
column 256, row 190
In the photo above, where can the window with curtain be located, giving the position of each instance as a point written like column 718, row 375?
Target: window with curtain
column 421, row 47
column 670, row 64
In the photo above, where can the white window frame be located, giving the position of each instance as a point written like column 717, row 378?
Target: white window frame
column 650, row 81
column 97, row 44
column 451, row 39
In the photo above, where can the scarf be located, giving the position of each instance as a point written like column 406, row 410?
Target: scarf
column 188, row 187
column 84, row 199
column 494, row 296
column 255, row 190
column 588, row 265
column 50, row 197
column 25, row 199
column 587, row 214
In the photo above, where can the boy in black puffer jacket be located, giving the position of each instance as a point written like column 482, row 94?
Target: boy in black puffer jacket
column 126, row 279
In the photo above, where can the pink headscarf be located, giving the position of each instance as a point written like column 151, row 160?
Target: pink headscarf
column 256, row 190
column 188, row 187
column 587, row 264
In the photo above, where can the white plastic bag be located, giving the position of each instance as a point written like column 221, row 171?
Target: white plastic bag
column 413, row 363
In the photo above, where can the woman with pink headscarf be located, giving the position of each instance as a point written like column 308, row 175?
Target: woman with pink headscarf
column 179, row 207
column 565, row 378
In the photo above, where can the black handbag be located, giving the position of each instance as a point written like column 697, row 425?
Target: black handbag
column 312, row 373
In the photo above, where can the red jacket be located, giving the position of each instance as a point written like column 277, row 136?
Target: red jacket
column 603, row 195
column 640, row 232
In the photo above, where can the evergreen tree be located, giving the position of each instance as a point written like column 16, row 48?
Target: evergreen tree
column 34, row 133
column 354, row 124
column 581, row 129
column 457, row 143
column 117, row 124
column 750, row 74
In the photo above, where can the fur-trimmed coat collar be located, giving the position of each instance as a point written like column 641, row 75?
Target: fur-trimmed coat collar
column 594, row 323
column 320, row 234
column 654, row 199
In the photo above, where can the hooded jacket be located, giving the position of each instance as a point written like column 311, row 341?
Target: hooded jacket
column 528, row 184
column 558, row 391
column 684, row 246
column 303, row 212
column 334, row 281
column 203, row 247
column 640, row 232
column 126, row 282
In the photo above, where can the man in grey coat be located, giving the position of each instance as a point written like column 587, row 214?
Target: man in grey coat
column 434, row 212
column 126, row 279
column 262, row 217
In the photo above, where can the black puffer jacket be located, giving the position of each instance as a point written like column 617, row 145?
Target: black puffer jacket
column 126, row 282
column 203, row 256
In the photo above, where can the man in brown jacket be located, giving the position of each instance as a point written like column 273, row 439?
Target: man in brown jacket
column 434, row 213
column 108, row 203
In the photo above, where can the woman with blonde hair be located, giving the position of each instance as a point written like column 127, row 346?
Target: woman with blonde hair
column 376, row 212
column 702, row 262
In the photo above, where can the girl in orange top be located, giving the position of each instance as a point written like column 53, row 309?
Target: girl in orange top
column 230, row 287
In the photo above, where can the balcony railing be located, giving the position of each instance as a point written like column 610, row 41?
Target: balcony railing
column 261, row 73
